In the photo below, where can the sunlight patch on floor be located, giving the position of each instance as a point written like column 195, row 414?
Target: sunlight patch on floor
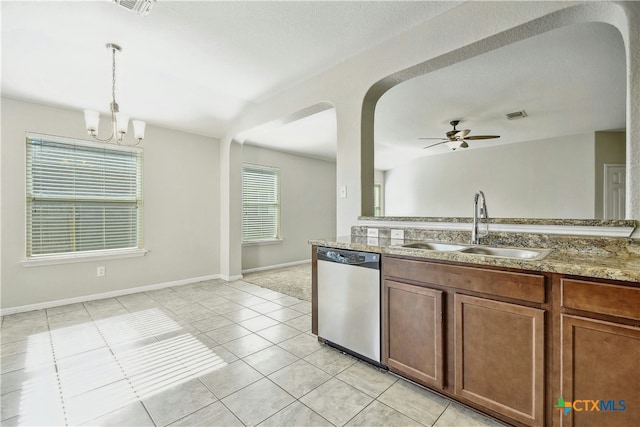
column 99, row 380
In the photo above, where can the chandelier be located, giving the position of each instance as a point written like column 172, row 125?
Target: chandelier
column 119, row 121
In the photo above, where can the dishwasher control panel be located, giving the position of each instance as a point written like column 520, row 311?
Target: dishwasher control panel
column 362, row 259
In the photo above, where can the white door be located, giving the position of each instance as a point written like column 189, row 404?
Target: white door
column 614, row 191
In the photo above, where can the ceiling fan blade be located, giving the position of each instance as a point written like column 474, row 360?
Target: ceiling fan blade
column 433, row 145
column 482, row 137
column 442, row 139
column 464, row 144
column 462, row 133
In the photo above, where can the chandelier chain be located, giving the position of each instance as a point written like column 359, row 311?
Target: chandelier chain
column 113, row 78
column 113, row 74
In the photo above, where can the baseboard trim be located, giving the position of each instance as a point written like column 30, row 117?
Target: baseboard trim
column 111, row 294
column 231, row 278
column 272, row 267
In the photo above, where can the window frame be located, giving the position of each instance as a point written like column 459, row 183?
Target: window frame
column 278, row 203
column 82, row 255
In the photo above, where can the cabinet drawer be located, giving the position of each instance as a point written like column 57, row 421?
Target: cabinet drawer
column 522, row 286
column 614, row 300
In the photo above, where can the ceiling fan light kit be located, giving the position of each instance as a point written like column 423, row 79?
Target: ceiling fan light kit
column 458, row 138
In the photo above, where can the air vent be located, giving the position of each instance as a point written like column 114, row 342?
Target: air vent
column 517, row 115
column 141, row 7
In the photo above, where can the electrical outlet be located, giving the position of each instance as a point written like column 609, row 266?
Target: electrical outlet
column 397, row 234
column 372, row 232
column 101, row 271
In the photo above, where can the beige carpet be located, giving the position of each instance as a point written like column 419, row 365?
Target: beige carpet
column 294, row 281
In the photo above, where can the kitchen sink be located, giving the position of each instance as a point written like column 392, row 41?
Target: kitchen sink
column 433, row 246
column 518, row 253
column 513, row 253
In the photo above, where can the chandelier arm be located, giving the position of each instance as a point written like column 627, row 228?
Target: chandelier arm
column 121, row 143
column 95, row 135
column 103, row 140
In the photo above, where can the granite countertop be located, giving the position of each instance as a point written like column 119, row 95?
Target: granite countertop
column 625, row 267
column 528, row 221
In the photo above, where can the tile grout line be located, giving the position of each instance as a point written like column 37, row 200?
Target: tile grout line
column 133, row 388
column 55, row 364
column 123, row 373
column 441, row 414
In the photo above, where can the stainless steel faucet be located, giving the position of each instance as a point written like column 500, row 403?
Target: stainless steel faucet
column 475, row 233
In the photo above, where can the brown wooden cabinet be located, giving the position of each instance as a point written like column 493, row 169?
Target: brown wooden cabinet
column 413, row 315
column 499, row 357
column 600, row 373
column 600, row 354
column 476, row 334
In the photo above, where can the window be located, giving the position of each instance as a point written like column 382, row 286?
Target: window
column 377, row 200
column 82, row 197
column 260, row 203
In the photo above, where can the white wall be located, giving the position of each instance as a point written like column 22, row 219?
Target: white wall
column 551, row 178
column 308, row 204
column 352, row 86
column 181, row 212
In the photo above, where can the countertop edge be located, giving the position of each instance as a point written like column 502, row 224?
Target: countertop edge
column 561, row 262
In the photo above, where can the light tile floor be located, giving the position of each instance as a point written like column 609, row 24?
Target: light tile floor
column 212, row 353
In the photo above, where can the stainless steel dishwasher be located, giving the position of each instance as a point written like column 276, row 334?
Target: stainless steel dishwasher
column 349, row 301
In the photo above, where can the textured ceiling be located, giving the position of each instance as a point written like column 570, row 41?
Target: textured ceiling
column 569, row 81
column 194, row 66
column 189, row 65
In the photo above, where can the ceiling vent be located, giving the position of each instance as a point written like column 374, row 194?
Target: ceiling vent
column 517, row 115
column 141, row 7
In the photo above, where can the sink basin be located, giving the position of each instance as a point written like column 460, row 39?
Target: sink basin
column 513, row 253
column 529, row 254
column 433, row 246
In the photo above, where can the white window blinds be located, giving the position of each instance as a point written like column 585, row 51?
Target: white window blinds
column 260, row 203
column 82, row 197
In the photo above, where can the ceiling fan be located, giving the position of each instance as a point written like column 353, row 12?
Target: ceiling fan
column 458, row 138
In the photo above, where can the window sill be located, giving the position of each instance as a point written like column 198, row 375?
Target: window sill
column 262, row 242
column 37, row 261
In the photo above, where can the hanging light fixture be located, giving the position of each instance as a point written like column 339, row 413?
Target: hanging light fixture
column 119, row 121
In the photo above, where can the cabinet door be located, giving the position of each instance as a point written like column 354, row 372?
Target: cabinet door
column 499, row 357
column 413, row 319
column 600, row 362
